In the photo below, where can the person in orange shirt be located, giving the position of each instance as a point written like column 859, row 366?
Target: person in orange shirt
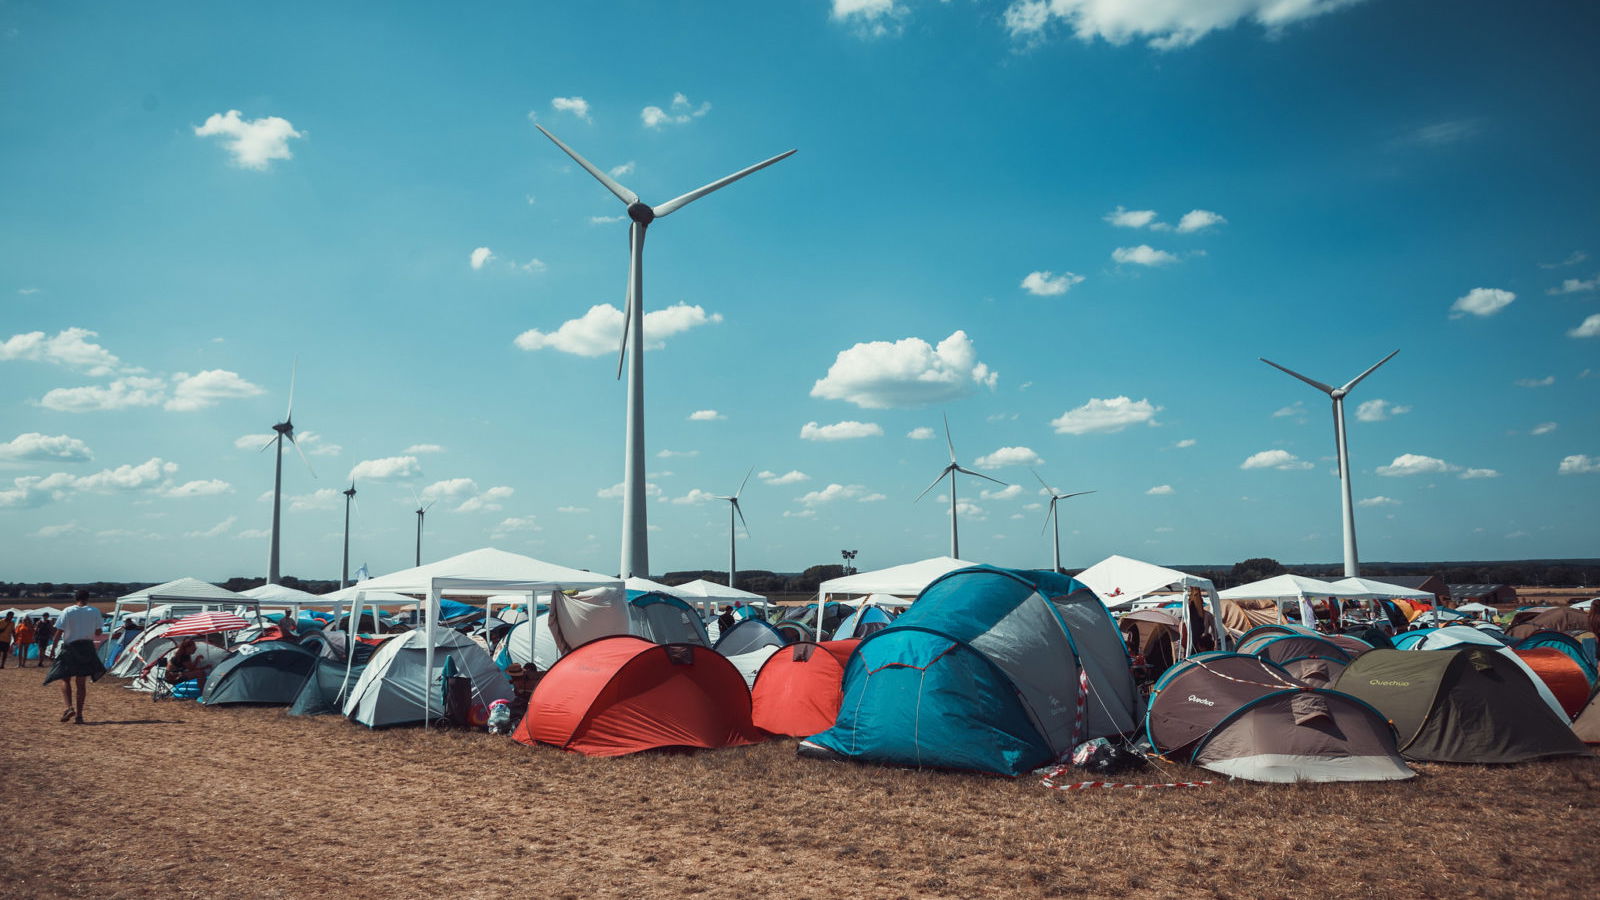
column 22, row 639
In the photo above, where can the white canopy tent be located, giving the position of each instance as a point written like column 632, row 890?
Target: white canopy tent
column 709, row 593
column 1119, row 581
column 277, row 593
column 1291, row 588
column 885, row 601
column 645, row 585
column 183, row 596
column 1383, row 590
column 906, row 580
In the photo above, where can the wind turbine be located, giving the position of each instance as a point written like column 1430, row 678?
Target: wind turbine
column 422, row 511
column 1054, row 515
column 285, row 431
column 951, row 470
column 1352, row 567
column 349, row 498
column 733, row 507
column 635, row 528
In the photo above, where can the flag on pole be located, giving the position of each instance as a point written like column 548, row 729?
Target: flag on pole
column 362, row 574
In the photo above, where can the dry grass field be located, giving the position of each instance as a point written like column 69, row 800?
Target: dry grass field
column 175, row 800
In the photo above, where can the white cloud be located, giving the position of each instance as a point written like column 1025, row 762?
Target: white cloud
column 1282, row 460
column 69, row 347
column 1536, row 382
column 34, row 446
column 839, row 431
column 123, row 393
column 1009, row 456
column 208, row 488
column 1131, row 218
column 480, row 257
column 217, row 530
column 1544, row 428
column 621, row 171
column 1105, row 416
column 253, row 533
column 969, row 510
column 1143, row 255
column 606, row 220
column 206, row 389
column 1579, row 464
column 1576, row 286
column 1163, row 24
column 389, row 468
column 36, row 490
column 921, row 433
column 1573, row 258
column 870, row 18
column 1185, row 443
column 62, row 530
column 254, row 143
column 908, row 372
column 1480, row 473
column 679, row 112
column 1009, row 492
column 807, row 513
column 670, row 454
column 1439, row 134
column 488, row 501
column 322, row 498
column 1297, row 408
column 534, row 265
column 576, row 105
column 514, row 524
column 599, row 331
column 835, row 492
column 1049, row 284
column 706, row 415
column 1407, row 464
column 1199, row 220
column 252, row 441
column 126, row 478
column 694, row 497
column 423, row 448
column 572, row 510
column 651, row 489
column 1379, row 500
column 1378, row 410
column 450, row 490
column 1160, row 490
column 793, row 476
column 1590, row 328
column 1481, row 302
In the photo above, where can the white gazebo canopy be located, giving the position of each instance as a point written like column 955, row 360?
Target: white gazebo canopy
column 1295, row 587
column 277, row 593
column 481, row 572
column 711, row 590
column 1120, row 580
column 182, row 595
column 906, row 580
column 886, row 601
column 1383, row 590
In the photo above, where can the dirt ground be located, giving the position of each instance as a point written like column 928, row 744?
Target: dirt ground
column 175, row 800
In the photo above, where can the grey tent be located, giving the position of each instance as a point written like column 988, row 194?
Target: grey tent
column 324, row 691
column 269, row 673
column 1464, row 705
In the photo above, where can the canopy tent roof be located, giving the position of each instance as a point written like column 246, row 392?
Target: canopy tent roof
column 710, row 590
column 1383, row 589
column 903, row 581
column 887, row 601
column 277, row 593
column 1292, row 587
column 1475, row 608
column 190, row 589
column 646, row 586
column 483, row 571
column 1117, row 580
column 372, row 597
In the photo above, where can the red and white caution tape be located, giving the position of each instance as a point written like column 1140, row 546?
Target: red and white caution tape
column 1085, row 785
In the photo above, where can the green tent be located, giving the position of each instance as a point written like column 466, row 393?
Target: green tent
column 1464, row 705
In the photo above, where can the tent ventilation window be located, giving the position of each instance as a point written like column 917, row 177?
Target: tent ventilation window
column 680, row 654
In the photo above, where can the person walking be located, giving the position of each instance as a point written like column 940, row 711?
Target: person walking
column 22, row 639
column 7, row 625
column 42, row 633
column 78, row 626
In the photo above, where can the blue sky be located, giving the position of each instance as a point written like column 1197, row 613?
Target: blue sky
column 1072, row 227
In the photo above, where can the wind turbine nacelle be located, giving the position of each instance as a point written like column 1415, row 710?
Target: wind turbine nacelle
column 641, row 213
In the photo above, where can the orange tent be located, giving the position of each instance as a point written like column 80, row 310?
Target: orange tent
column 1564, row 677
column 798, row 689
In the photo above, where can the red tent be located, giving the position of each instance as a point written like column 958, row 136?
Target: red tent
column 798, row 689
column 622, row 694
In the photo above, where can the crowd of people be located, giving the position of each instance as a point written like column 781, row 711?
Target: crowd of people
column 18, row 636
column 67, row 643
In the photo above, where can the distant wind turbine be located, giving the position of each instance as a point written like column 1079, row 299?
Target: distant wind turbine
column 951, row 470
column 422, row 511
column 733, row 508
column 1053, row 517
column 635, row 527
column 285, row 431
column 1352, row 566
column 349, row 498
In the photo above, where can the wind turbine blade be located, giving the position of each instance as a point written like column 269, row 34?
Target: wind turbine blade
column 935, row 483
column 1047, row 487
column 1357, row 380
column 679, row 202
column 430, row 505
column 741, row 487
column 1316, row 384
column 1048, row 513
column 1076, row 494
column 303, row 457
column 740, row 511
column 623, row 194
column 978, row 475
column 293, row 371
column 269, row 443
column 947, row 442
column 627, row 302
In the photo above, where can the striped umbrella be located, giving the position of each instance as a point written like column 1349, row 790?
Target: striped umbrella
column 206, row 623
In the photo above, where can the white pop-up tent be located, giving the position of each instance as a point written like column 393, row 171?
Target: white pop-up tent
column 645, row 585
column 1119, row 581
column 183, row 596
column 709, row 593
column 1384, row 590
column 1290, row 588
column 906, row 580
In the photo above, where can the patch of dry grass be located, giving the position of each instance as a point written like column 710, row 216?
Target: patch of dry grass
column 176, row 800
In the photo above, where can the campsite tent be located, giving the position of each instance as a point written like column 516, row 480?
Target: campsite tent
column 278, row 595
column 622, row 694
column 1310, row 658
column 798, row 689
column 1383, row 590
column 184, row 595
column 324, row 690
column 983, row 673
column 865, row 620
column 1587, row 725
column 401, row 684
column 527, row 644
column 665, row 619
column 1568, row 644
column 1119, row 581
column 748, row 635
column 906, row 580
column 270, row 672
column 710, row 594
column 1466, row 705
column 1565, row 678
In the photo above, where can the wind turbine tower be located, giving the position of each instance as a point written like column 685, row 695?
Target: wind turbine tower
column 951, row 470
column 285, row 431
column 1053, row 517
column 635, row 528
column 733, row 535
column 1352, row 566
column 422, row 511
column 344, row 570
